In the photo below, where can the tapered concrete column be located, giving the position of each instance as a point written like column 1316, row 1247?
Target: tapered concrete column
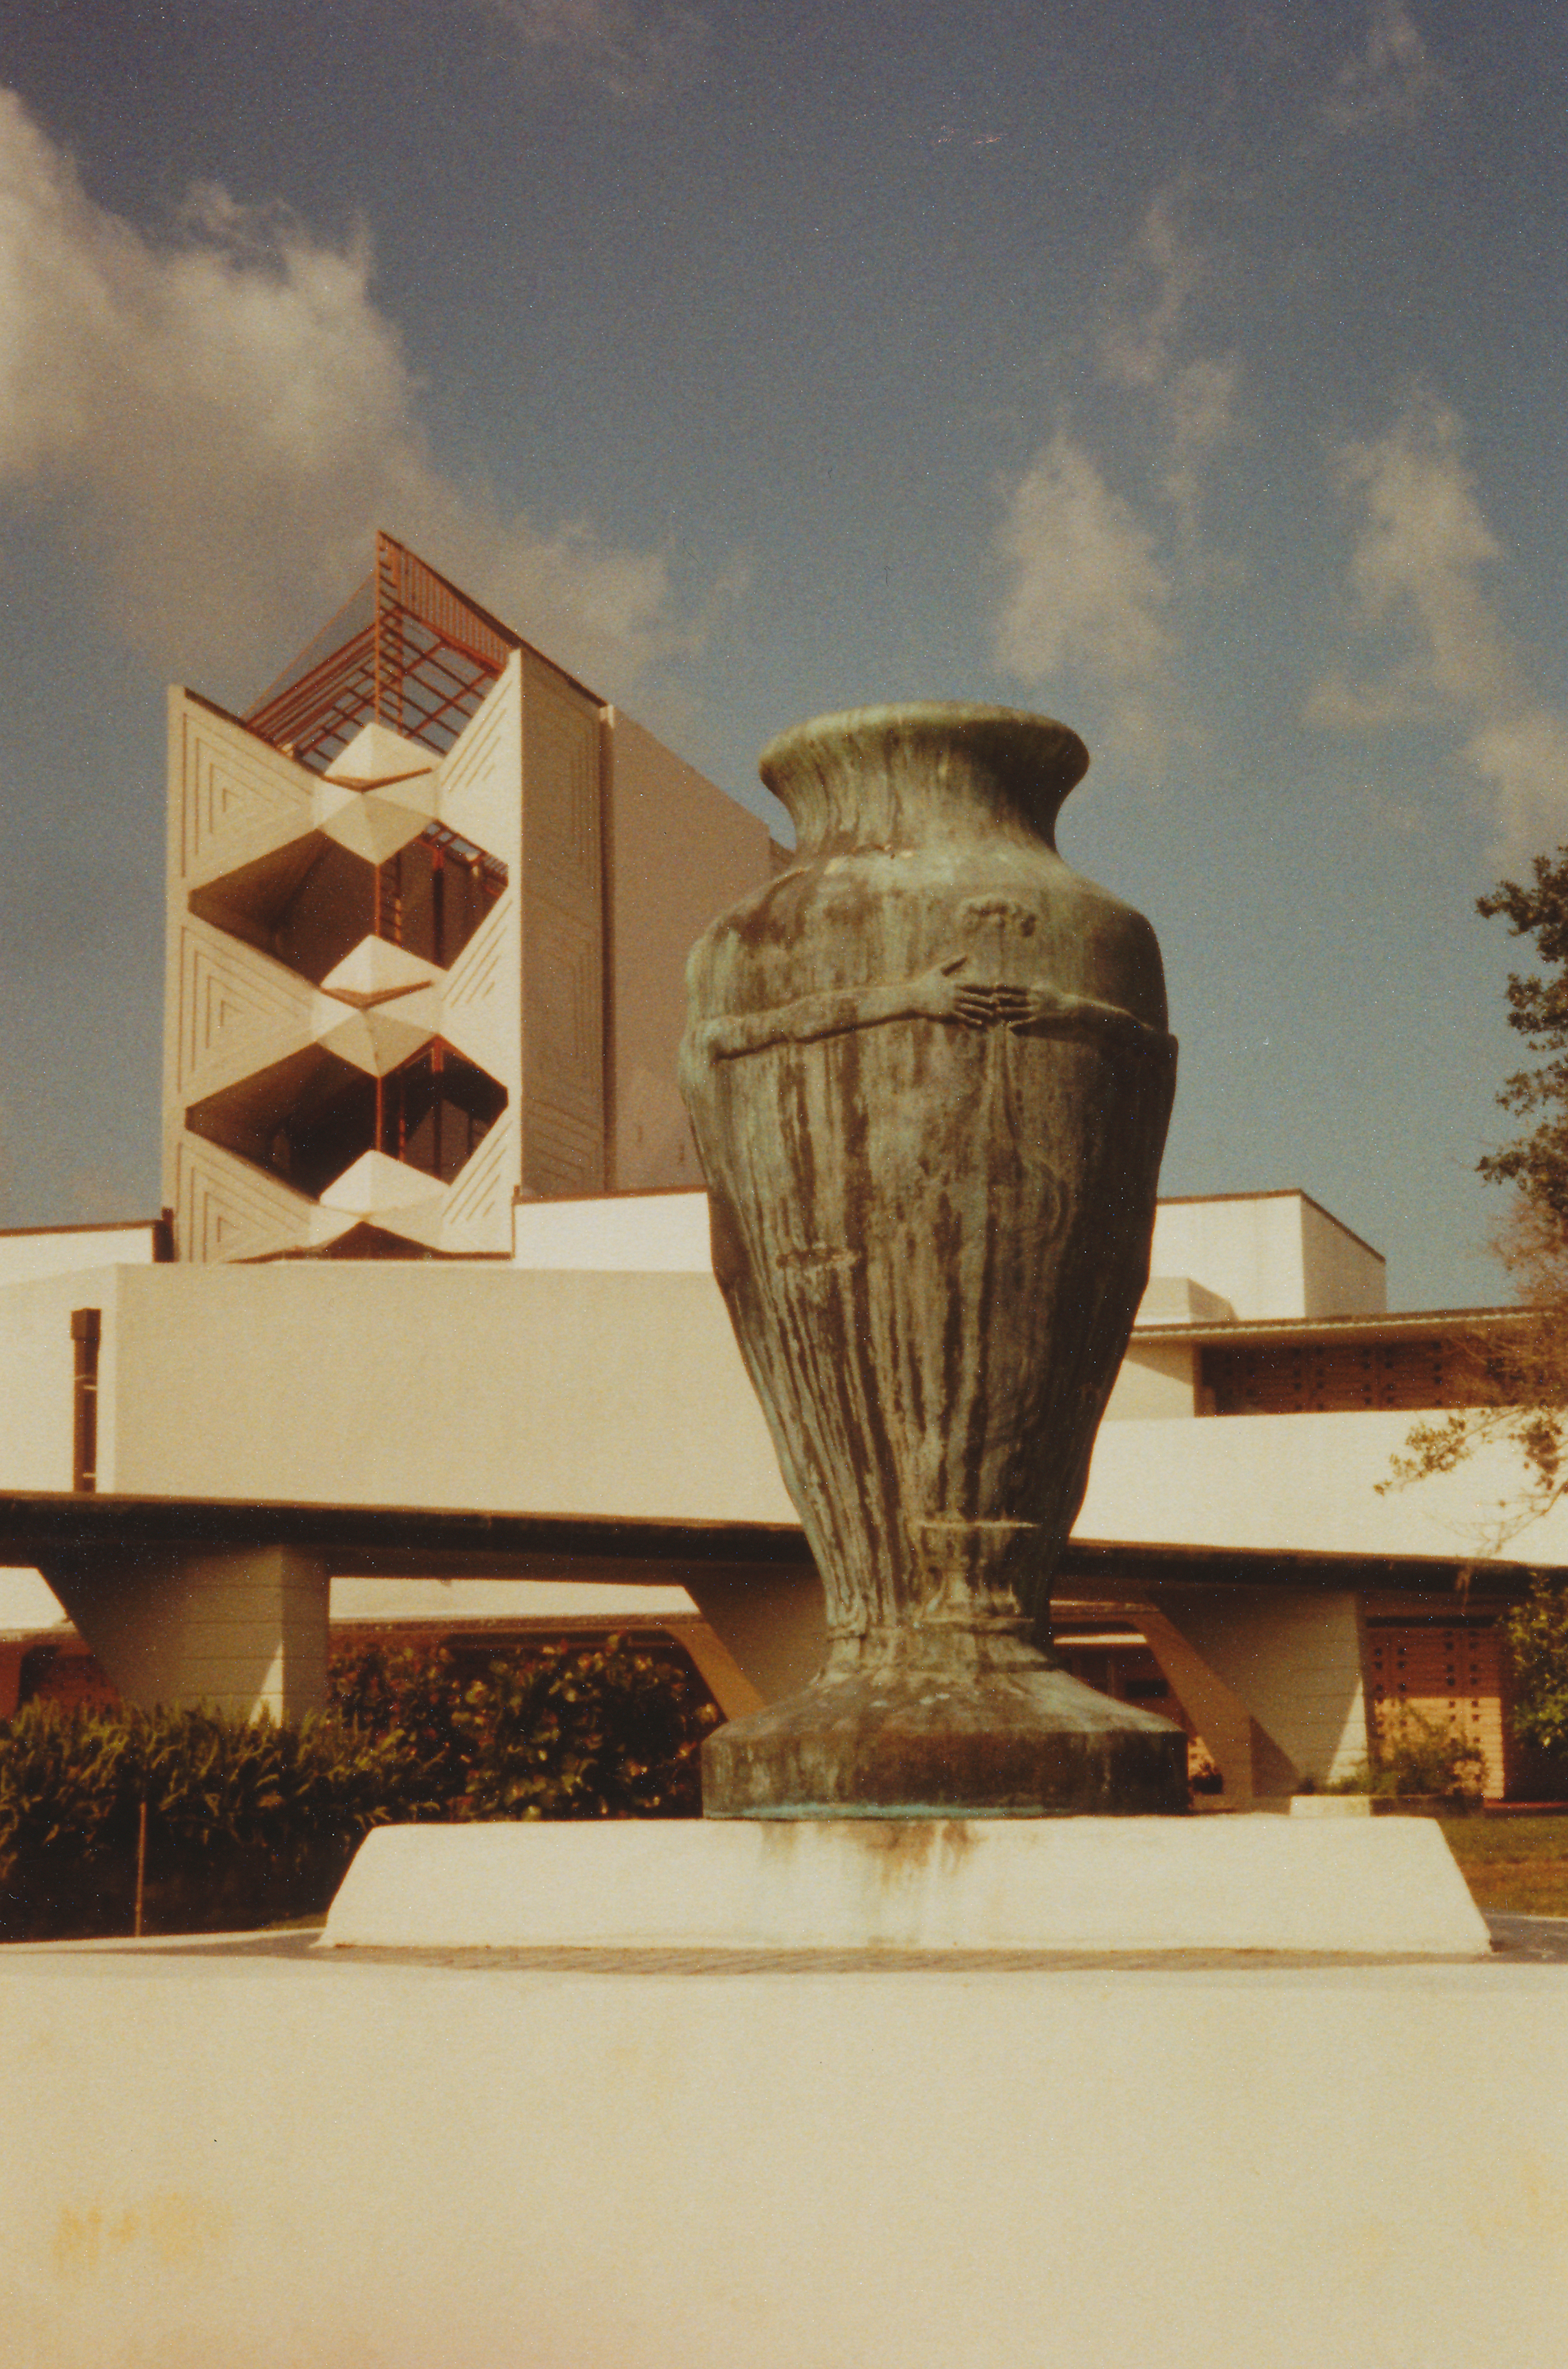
column 1288, row 1661
column 772, row 1620
column 1250, row 1762
column 718, row 1669
column 241, row 1630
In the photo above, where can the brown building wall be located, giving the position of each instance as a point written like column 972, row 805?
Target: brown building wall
column 679, row 851
column 1453, row 1670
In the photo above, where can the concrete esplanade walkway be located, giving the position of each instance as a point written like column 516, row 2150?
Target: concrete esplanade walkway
column 252, row 2152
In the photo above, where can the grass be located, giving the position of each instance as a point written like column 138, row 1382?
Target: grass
column 1518, row 1864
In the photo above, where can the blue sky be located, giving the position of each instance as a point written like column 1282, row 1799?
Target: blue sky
column 1195, row 371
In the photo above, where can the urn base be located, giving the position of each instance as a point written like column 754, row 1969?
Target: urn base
column 1019, row 1739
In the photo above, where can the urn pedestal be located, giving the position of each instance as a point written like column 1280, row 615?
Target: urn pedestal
column 929, row 1076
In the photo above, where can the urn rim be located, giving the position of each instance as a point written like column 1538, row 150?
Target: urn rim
column 1038, row 759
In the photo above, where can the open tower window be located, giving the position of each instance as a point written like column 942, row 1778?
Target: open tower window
column 308, row 1120
column 311, row 903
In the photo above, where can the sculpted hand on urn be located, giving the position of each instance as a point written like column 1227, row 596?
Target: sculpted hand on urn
column 929, row 1076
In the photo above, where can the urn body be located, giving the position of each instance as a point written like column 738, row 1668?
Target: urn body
column 929, row 1076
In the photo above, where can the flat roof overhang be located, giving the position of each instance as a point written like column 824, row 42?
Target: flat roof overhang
column 1267, row 1331
column 38, row 1527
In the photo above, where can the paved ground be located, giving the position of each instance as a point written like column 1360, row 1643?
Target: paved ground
column 1541, row 1937
column 247, row 2147
column 1515, row 1940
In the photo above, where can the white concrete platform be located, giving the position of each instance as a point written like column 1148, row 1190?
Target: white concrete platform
column 1000, row 1883
column 231, row 2153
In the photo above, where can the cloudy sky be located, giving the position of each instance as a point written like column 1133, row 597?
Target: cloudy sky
column 1193, row 370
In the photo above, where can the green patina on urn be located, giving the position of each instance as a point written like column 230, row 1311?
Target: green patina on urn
column 929, row 1076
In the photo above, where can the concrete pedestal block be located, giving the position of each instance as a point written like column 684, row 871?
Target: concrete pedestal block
column 1074, row 1883
column 241, row 1630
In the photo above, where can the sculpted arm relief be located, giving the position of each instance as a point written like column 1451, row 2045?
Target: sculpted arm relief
column 942, row 993
column 935, row 994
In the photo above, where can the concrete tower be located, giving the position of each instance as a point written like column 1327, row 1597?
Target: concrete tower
column 429, row 905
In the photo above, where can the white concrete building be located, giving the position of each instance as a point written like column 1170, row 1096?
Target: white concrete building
column 429, row 1328
column 391, row 1435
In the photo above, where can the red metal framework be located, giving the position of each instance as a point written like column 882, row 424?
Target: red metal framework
column 408, row 650
column 490, row 868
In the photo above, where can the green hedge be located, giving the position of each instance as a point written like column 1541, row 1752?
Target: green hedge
column 248, row 1822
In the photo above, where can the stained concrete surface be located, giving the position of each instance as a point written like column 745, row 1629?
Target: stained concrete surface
column 246, row 2150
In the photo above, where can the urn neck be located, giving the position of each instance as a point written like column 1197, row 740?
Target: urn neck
column 914, row 777
column 963, row 1654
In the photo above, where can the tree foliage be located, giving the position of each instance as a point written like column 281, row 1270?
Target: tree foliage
column 1536, row 1634
column 1513, row 1378
column 1536, row 1162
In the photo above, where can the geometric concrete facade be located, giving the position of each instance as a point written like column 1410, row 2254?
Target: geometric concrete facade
column 429, row 903
column 1270, row 1254
column 1243, row 1555
column 415, row 976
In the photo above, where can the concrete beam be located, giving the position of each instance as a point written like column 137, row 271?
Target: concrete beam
column 718, row 1669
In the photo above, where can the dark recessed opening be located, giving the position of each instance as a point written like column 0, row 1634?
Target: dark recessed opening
column 437, row 1110
column 310, row 1117
column 312, row 902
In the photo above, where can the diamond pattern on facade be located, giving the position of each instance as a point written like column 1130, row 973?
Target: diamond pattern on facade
column 377, row 972
column 375, row 823
column 351, row 944
column 379, row 1040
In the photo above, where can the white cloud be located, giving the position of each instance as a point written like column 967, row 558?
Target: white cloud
column 223, row 419
column 1523, row 758
column 1193, row 401
column 1391, row 81
column 1421, row 570
column 636, row 50
column 1200, row 406
column 1086, row 593
column 1423, row 547
column 1165, row 268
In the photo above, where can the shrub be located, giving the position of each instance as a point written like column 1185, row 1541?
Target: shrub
column 1416, row 1754
column 248, row 1821
column 410, row 1695
column 233, row 1807
column 580, row 1732
column 556, row 1731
